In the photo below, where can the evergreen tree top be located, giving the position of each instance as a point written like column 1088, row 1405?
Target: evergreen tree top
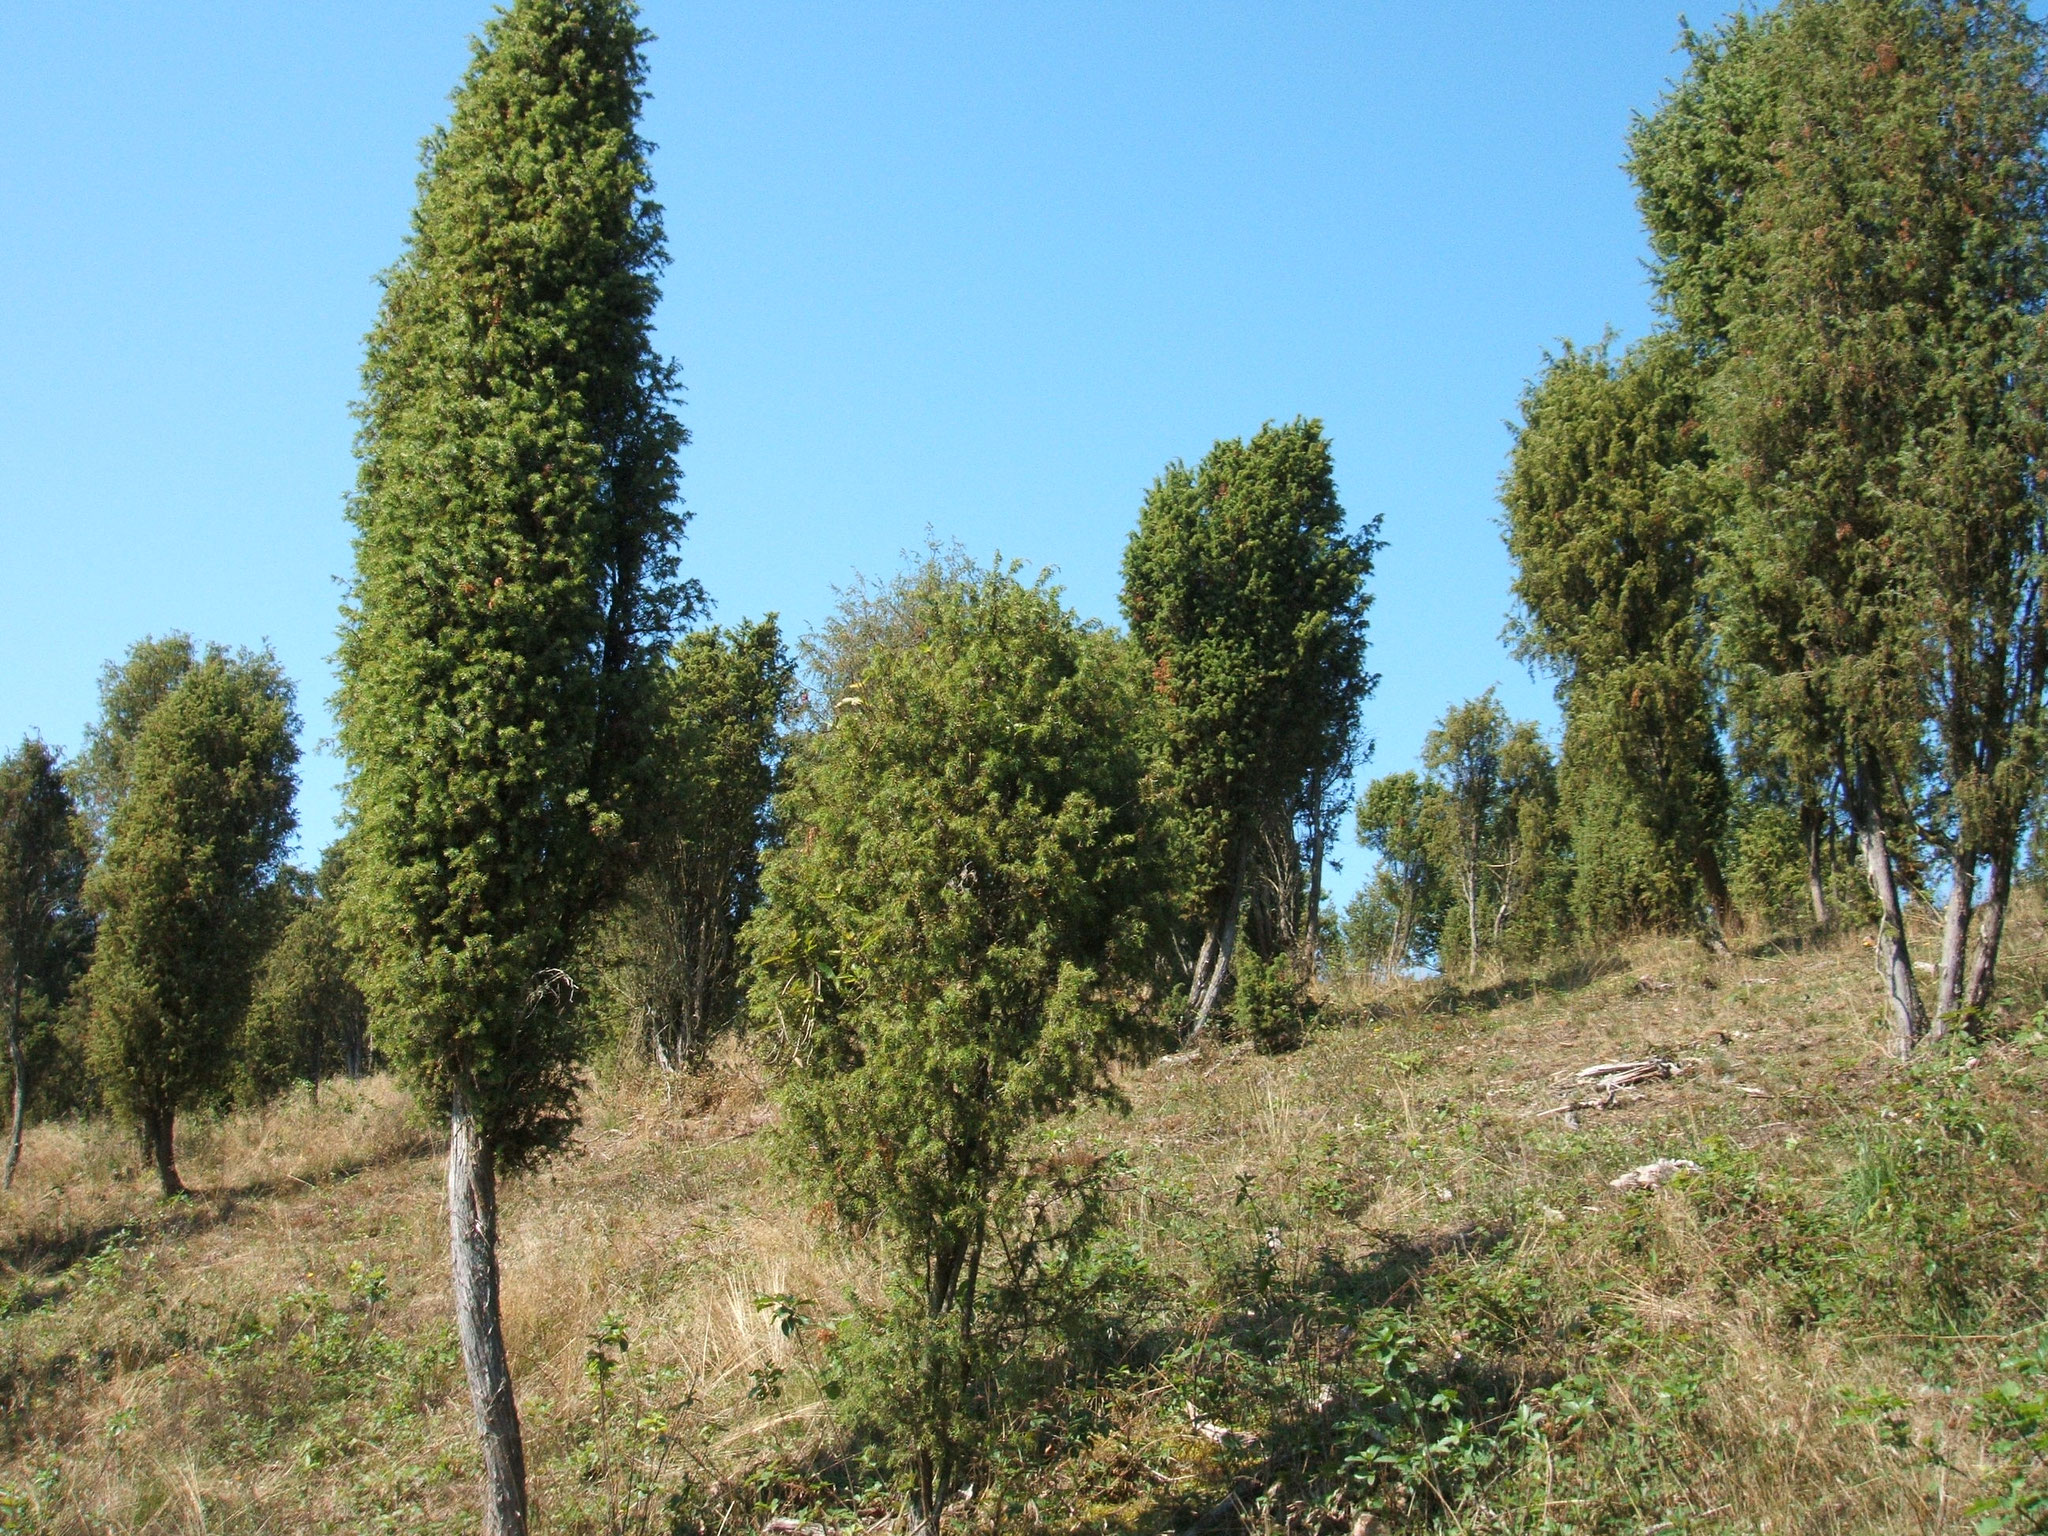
column 516, row 584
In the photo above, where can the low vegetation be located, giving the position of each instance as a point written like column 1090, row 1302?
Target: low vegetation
column 1379, row 1282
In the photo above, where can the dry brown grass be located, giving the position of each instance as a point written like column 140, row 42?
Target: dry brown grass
column 229, row 1363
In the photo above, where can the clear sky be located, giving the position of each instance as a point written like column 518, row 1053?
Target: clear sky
column 978, row 269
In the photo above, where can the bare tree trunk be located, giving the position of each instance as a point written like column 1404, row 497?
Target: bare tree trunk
column 1727, row 921
column 1198, row 979
column 924, row 1503
column 1219, row 969
column 1984, row 967
column 158, row 1128
column 1404, row 926
column 1471, row 883
column 1894, row 964
column 1315, row 874
column 473, row 1251
column 1219, row 944
column 1955, row 940
column 18, row 1065
column 1813, row 831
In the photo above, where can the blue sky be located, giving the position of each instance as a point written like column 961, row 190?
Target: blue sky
column 979, row 270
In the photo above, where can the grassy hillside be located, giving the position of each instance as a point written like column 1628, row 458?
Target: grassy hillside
column 1370, row 1284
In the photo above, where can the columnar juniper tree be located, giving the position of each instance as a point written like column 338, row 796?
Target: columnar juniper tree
column 306, row 1014
column 515, row 582
column 1608, row 512
column 184, row 889
column 1848, row 200
column 961, row 891
column 1246, row 592
column 44, row 928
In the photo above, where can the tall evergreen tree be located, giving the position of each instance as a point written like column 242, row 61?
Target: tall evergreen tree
column 183, row 890
column 1848, row 200
column 1245, row 590
column 45, row 930
column 1608, row 506
column 515, row 584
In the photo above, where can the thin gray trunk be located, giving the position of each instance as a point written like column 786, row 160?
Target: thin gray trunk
column 1812, row 830
column 1404, row 925
column 1198, row 980
column 1219, row 970
column 1894, row 963
column 1315, row 876
column 473, row 1251
column 1984, row 968
column 19, row 1067
column 1955, row 940
column 1471, row 882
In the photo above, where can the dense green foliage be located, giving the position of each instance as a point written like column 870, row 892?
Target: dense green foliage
column 1245, row 590
column 1607, row 518
column 307, row 1016
column 1848, row 200
column 961, row 891
column 515, row 588
column 667, row 957
column 184, row 888
column 45, row 928
column 515, row 578
column 129, row 690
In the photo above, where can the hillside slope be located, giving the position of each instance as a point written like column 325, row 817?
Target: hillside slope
column 1379, row 1282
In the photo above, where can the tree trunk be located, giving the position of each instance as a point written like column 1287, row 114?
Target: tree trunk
column 19, row 1067
column 1198, row 979
column 1894, row 963
column 1984, row 968
column 924, row 1504
column 158, row 1128
column 1397, row 951
column 1727, row 921
column 1471, row 882
column 1219, row 966
column 1955, row 940
column 1813, row 832
column 473, row 1250
column 1315, row 877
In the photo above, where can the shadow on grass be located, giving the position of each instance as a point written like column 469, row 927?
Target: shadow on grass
column 1323, row 1342
column 1569, row 975
column 50, row 1251
column 1295, row 1372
